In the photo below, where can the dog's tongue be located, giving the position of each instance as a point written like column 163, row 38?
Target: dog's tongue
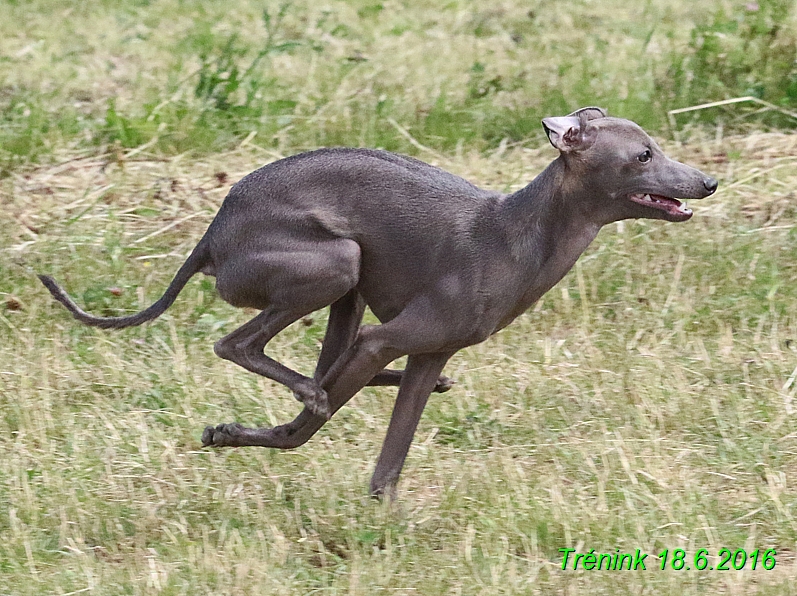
column 671, row 205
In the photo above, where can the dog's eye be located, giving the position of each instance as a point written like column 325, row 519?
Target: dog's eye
column 645, row 156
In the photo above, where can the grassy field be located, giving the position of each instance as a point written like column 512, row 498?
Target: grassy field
column 647, row 402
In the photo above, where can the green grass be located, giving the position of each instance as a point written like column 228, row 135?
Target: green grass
column 200, row 77
column 646, row 402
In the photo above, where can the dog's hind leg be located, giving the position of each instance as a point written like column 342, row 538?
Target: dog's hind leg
column 345, row 316
column 344, row 319
column 285, row 436
column 365, row 357
column 287, row 283
column 372, row 349
column 392, row 378
column 245, row 346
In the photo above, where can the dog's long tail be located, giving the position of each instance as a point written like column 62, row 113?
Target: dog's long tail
column 196, row 260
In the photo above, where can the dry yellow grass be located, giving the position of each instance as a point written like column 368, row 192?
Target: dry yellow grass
column 646, row 402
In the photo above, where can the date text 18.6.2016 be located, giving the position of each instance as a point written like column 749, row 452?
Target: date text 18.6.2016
column 617, row 561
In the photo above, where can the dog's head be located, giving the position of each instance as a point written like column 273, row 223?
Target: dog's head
column 625, row 173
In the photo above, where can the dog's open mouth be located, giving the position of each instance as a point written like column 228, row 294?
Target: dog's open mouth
column 672, row 207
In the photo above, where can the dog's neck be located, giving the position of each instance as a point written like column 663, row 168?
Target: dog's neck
column 548, row 225
column 549, row 217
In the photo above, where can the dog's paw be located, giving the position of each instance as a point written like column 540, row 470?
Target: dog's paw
column 384, row 491
column 314, row 399
column 444, row 384
column 223, row 435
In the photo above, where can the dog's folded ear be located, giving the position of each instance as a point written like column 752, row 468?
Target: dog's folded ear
column 562, row 131
column 568, row 133
column 589, row 113
column 572, row 132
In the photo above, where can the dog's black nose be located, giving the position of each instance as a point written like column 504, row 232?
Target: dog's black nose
column 710, row 184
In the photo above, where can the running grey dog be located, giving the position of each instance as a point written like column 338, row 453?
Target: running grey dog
column 441, row 263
